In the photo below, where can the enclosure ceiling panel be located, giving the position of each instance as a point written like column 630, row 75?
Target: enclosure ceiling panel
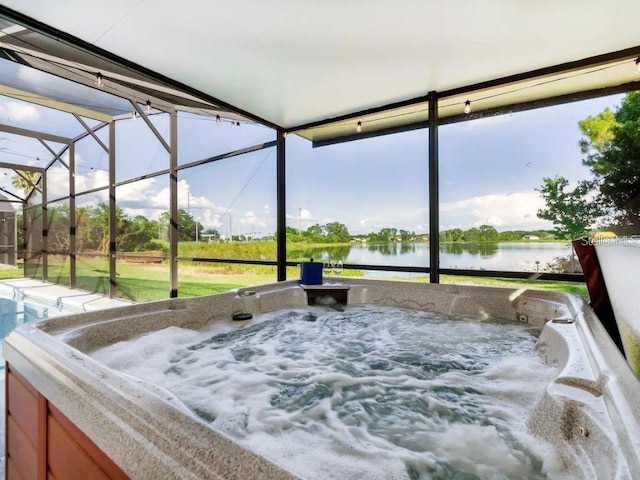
column 296, row 62
column 501, row 99
column 53, row 63
column 36, row 86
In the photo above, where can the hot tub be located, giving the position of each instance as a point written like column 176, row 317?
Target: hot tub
column 69, row 413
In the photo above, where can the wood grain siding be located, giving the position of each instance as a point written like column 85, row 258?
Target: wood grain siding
column 88, row 448
column 43, row 444
column 21, row 427
column 23, row 405
column 12, row 471
column 21, row 452
column 62, row 448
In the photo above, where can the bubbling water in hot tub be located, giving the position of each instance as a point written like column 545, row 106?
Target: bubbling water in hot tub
column 361, row 391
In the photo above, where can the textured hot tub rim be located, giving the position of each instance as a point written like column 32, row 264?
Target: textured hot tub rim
column 567, row 414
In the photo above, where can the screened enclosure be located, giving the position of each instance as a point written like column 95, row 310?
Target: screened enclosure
column 121, row 182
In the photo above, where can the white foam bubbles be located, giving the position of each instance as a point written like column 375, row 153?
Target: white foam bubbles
column 368, row 392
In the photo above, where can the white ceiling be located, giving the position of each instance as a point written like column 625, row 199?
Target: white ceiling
column 292, row 62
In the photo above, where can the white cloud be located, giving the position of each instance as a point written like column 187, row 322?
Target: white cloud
column 250, row 219
column 503, row 211
column 137, row 192
column 91, row 179
column 304, row 216
column 17, row 112
column 201, row 208
column 85, row 179
column 57, row 181
column 267, row 210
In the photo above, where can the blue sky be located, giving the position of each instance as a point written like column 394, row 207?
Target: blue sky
column 489, row 169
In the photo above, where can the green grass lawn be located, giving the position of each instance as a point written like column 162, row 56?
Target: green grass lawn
column 11, row 272
column 146, row 282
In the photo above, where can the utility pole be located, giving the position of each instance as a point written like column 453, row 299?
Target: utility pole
column 230, row 234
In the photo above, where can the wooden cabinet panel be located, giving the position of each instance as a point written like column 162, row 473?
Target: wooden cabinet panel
column 12, row 471
column 66, row 459
column 42, row 443
column 23, row 407
column 20, row 451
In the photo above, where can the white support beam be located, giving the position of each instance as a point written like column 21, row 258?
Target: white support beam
column 51, row 103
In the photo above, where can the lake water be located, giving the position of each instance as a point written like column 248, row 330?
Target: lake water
column 508, row 256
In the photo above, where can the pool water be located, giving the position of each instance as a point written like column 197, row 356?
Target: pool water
column 360, row 392
column 14, row 313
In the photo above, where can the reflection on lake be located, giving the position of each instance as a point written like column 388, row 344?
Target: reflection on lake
column 509, row 256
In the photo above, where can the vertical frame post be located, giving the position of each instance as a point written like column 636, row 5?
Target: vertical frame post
column 173, row 205
column 434, row 193
column 26, row 242
column 281, row 207
column 112, row 210
column 72, row 214
column 45, row 228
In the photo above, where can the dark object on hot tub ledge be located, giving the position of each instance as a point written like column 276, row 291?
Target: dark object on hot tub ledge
column 339, row 293
column 242, row 316
column 597, row 288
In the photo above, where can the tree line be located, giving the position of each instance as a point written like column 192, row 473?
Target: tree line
column 133, row 233
column 336, row 232
column 139, row 233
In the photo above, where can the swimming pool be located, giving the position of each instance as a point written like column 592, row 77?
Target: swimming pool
column 14, row 313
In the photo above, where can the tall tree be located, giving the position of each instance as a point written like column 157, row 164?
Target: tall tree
column 25, row 180
column 611, row 143
column 572, row 212
column 488, row 233
column 187, row 226
column 337, row 232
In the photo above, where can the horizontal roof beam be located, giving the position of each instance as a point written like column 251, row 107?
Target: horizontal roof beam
column 51, row 103
column 26, row 168
column 34, row 134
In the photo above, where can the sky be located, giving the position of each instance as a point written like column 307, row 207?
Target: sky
column 489, row 169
